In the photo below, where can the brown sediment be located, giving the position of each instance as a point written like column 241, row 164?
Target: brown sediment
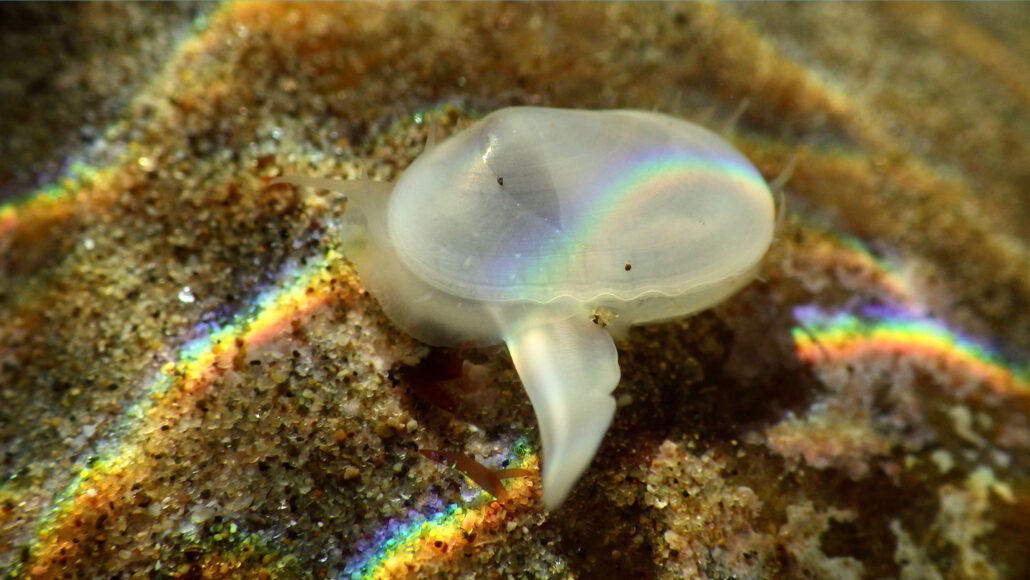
column 283, row 456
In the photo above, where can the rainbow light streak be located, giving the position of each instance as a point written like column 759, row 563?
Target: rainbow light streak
column 646, row 175
column 846, row 252
column 891, row 330
column 399, row 547
column 56, row 200
column 53, row 200
column 627, row 187
column 200, row 363
column 860, row 257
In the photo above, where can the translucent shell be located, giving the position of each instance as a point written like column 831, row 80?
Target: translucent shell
column 523, row 227
column 533, row 204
